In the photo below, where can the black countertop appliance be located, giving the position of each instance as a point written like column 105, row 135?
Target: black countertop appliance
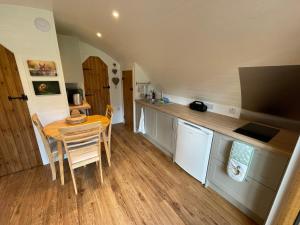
column 199, row 106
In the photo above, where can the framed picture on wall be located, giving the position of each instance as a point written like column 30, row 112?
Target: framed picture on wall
column 46, row 87
column 42, row 68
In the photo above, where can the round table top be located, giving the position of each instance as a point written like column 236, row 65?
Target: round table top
column 52, row 129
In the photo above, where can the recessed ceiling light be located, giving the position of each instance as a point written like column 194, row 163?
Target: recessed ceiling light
column 99, row 34
column 115, row 14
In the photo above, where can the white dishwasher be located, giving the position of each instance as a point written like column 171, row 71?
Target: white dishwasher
column 193, row 149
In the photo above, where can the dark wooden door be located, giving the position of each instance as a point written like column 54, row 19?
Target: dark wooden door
column 18, row 147
column 96, row 84
column 128, row 98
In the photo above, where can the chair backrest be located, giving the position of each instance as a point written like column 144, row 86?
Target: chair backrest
column 81, row 137
column 36, row 121
column 109, row 112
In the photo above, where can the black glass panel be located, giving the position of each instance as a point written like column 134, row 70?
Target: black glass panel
column 257, row 131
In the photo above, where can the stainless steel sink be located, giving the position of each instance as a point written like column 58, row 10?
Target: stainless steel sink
column 158, row 102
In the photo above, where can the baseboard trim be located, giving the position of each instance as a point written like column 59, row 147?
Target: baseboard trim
column 235, row 203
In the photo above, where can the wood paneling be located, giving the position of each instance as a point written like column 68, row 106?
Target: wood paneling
column 128, row 98
column 142, row 186
column 18, row 148
column 96, row 84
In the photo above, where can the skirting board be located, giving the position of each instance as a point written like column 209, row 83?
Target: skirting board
column 238, row 205
column 162, row 149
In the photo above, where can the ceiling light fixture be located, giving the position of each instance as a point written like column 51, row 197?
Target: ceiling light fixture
column 115, row 14
column 99, row 34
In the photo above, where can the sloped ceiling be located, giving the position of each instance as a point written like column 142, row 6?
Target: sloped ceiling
column 188, row 47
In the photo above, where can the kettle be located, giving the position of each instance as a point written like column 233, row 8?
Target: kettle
column 77, row 99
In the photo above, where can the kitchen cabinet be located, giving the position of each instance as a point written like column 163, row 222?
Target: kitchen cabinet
column 160, row 128
column 165, row 131
column 150, row 122
column 255, row 195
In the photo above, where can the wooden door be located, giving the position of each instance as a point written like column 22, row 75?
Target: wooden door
column 18, row 147
column 96, row 84
column 128, row 98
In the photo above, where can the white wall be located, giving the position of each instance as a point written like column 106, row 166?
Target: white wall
column 70, row 59
column 116, row 93
column 192, row 48
column 291, row 171
column 73, row 53
column 19, row 35
column 227, row 110
column 139, row 76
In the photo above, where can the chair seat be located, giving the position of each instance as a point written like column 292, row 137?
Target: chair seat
column 88, row 154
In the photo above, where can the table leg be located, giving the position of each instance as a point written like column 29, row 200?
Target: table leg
column 61, row 162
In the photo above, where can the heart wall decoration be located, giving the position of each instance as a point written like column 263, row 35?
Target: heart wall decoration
column 114, row 70
column 115, row 80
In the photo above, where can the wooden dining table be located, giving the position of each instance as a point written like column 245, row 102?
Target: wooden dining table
column 51, row 130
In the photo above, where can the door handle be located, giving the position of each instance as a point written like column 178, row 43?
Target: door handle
column 22, row 97
column 108, row 87
column 88, row 95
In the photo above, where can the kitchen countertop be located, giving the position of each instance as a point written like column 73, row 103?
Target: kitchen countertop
column 283, row 143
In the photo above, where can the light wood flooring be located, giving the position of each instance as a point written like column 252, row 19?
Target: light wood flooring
column 142, row 186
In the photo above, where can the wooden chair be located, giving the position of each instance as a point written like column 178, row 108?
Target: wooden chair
column 109, row 115
column 83, row 146
column 50, row 147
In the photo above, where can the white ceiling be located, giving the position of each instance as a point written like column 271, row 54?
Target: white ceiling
column 188, row 47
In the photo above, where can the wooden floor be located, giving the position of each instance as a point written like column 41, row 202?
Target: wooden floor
column 141, row 187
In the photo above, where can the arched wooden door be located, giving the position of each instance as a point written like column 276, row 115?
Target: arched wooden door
column 18, row 146
column 96, row 84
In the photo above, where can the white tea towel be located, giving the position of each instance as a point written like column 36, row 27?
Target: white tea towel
column 239, row 160
column 142, row 123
